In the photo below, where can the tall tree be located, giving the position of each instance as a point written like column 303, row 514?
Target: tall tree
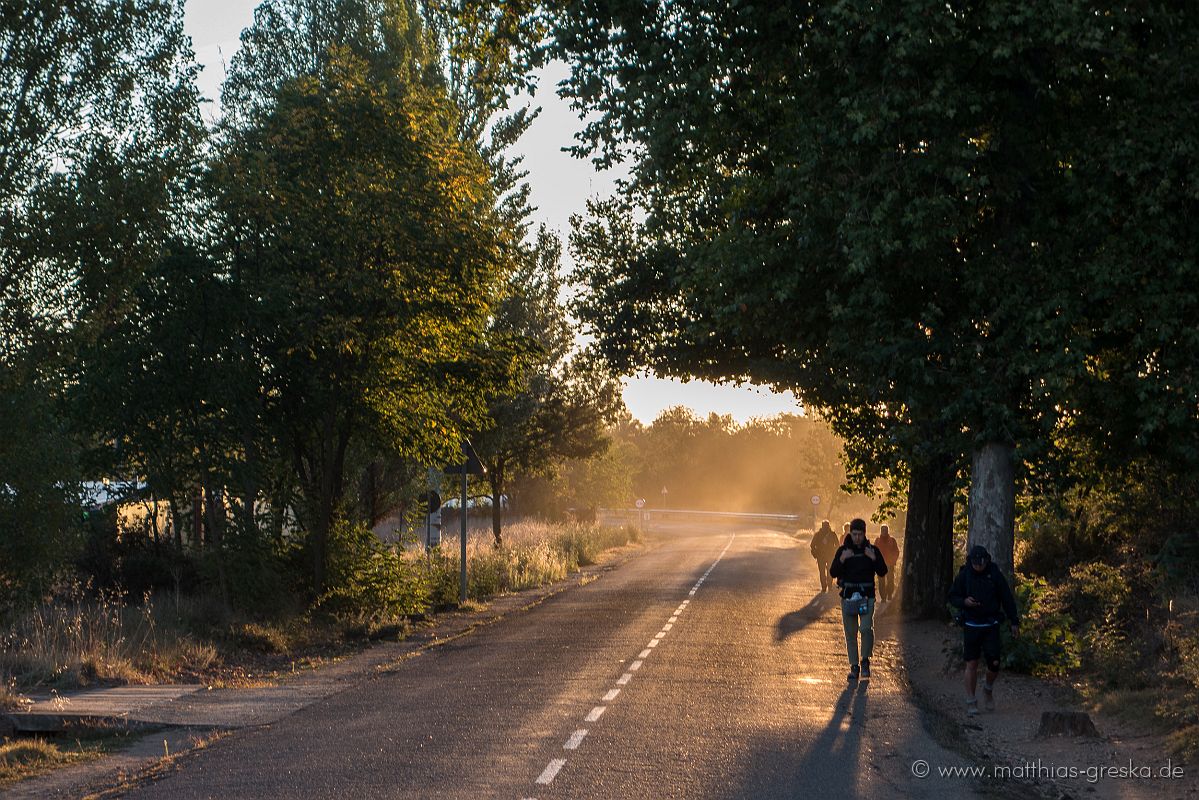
column 560, row 401
column 99, row 124
column 99, row 132
column 364, row 230
column 898, row 211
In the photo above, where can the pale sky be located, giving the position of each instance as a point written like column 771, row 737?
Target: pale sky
column 560, row 184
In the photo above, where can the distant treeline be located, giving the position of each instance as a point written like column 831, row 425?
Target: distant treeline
column 767, row 465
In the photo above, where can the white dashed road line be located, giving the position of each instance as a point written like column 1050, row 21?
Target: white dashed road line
column 551, row 771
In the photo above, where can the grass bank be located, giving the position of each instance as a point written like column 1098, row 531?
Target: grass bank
column 83, row 638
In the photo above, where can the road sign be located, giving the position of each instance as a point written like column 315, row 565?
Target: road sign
column 470, row 464
column 815, row 499
column 640, row 502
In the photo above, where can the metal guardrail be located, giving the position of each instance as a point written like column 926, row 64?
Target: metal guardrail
column 651, row 515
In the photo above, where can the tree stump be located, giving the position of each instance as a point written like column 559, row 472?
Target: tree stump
column 1067, row 723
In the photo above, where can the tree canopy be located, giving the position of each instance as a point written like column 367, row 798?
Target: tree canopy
column 917, row 216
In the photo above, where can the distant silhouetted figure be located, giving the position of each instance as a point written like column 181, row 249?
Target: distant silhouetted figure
column 824, row 544
column 983, row 595
column 887, row 545
column 855, row 564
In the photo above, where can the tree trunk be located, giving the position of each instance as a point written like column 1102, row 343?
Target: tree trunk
column 993, row 503
column 928, row 541
column 331, row 490
column 495, row 478
column 214, row 517
column 249, row 520
column 198, row 519
column 176, row 525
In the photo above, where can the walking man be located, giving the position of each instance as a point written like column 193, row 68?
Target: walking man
column 983, row 595
column 824, row 544
column 887, row 545
column 855, row 564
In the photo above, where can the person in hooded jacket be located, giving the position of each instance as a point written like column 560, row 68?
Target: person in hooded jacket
column 887, row 545
column 824, row 544
column 985, row 600
column 855, row 564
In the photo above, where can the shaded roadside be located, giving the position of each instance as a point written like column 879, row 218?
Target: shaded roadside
column 1124, row 763
column 167, row 721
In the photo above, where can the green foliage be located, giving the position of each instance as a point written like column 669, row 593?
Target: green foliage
column 1180, row 708
column 1114, row 546
column 604, row 480
column 99, row 130
column 1047, row 644
column 99, row 126
column 370, row 580
column 344, row 149
column 261, row 578
column 941, row 224
column 40, row 498
column 558, row 402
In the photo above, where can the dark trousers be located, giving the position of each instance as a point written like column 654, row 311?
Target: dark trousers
column 885, row 586
column 826, row 580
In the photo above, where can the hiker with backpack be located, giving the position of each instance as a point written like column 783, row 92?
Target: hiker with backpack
column 982, row 594
column 887, row 545
column 855, row 565
column 824, row 544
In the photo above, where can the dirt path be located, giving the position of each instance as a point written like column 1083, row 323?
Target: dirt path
column 1123, row 764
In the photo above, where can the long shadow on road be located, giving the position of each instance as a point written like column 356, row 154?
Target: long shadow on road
column 792, row 623
column 828, row 764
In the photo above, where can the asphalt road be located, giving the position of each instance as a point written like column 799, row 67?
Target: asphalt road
column 709, row 667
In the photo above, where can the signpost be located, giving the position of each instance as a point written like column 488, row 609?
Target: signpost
column 815, row 506
column 432, row 499
column 471, row 465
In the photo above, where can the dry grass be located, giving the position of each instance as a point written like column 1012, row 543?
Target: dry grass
column 81, row 641
column 84, row 639
column 29, row 757
column 26, row 758
column 10, row 698
column 534, row 553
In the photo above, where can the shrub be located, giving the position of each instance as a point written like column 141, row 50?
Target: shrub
column 1099, row 598
column 370, row 580
column 1046, row 645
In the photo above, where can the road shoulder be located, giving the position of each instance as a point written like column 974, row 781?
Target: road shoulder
column 1031, row 765
column 191, row 719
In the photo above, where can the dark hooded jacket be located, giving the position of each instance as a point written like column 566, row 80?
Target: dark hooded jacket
column 858, row 568
column 824, row 543
column 988, row 587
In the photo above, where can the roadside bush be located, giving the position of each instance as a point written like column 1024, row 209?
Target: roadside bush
column 1099, row 597
column 1181, row 706
column 535, row 553
column 259, row 578
column 370, row 580
column 1046, row 646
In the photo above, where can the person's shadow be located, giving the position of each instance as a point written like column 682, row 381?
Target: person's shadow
column 795, row 621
